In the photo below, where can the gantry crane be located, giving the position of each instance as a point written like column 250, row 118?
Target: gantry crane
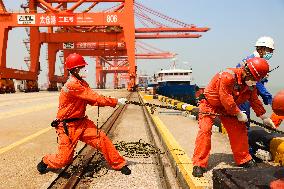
column 119, row 64
column 68, row 24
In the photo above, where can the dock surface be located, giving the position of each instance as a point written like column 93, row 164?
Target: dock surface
column 26, row 136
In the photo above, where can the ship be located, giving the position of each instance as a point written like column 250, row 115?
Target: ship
column 177, row 84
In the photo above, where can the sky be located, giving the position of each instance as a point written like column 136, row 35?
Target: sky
column 234, row 28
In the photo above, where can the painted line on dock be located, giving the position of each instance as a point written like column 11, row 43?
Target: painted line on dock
column 17, row 97
column 183, row 162
column 28, row 138
column 23, row 111
column 28, row 100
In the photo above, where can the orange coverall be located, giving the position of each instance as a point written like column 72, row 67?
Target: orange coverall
column 277, row 120
column 73, row 99
column 223, row 95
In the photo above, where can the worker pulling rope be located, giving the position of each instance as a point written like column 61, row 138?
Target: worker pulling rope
column 153, row 108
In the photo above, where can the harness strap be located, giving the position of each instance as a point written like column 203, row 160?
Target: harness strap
column 56, row 122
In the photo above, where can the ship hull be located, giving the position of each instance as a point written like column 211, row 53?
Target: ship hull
column 180, row 91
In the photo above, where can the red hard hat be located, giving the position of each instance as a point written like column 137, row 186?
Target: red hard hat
column 74, row 60
column 258, row 67
column 278, row 103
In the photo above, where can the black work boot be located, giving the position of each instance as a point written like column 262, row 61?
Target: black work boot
column 198, row 171
column 42, row 167
column 125, row 170
column 249, row 164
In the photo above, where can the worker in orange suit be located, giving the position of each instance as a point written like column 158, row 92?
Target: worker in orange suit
column 222, row 96
column 72, row 124
column 277, row 120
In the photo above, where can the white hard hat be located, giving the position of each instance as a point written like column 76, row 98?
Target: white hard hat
column 265, row 42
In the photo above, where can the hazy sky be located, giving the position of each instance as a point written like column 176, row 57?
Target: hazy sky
column 235, row 26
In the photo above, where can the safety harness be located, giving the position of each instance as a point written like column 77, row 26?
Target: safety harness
column 65, row 122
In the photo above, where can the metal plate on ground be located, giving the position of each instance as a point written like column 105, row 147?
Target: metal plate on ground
column 260, row 177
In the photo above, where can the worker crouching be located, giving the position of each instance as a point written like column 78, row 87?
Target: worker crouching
column 73, row 125
column 224, row 93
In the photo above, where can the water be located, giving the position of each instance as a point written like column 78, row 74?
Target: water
column 273, row 90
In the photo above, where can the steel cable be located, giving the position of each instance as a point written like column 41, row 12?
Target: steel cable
column 153, row 108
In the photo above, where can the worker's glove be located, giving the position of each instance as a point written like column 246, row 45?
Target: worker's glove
column 242, row 116
column 121, row 101
column 267, row 121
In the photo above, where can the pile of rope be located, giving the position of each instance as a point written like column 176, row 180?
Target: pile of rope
column 95, row 169
column 138, row 149
column 141, row 149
